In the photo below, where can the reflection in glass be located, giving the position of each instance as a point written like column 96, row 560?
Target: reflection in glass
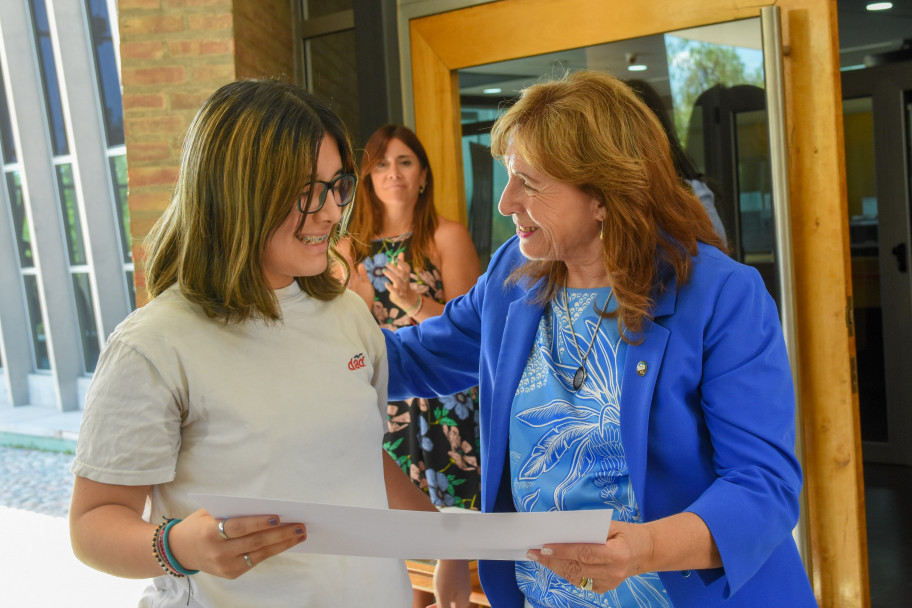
column 755, row 196
column 106, row 70
column 333, row 76
column 7, row 145
column 119, row 179
column 69, row 208
column 710, row 80
column 85, row 314
column 49, row 77
column 36, row 323
column 20, row 219
column 861, row 187
column 131, row 289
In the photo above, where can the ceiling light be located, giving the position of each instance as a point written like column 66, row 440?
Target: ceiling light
column 879, row 6
column 637, row 67
column 492, row 91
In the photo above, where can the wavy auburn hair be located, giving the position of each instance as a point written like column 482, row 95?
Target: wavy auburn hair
column 588, row 129
column 367, row 217
column 248, row 154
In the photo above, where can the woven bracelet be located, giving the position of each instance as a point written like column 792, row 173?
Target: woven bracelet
column 414, row 310
column 158, row 549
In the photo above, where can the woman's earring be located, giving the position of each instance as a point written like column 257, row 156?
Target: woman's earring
column 422, row 189
column 602, row 232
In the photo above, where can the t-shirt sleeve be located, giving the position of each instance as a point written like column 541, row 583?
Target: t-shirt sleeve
column 130, row 432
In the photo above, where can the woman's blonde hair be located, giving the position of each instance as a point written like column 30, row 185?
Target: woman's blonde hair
column 367, row 218
column 248, row 154
column 590, row 130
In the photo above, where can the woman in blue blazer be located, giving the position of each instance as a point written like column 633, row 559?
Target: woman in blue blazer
column 624, row 362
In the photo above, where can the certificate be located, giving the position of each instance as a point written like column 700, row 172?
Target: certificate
column 344, row 530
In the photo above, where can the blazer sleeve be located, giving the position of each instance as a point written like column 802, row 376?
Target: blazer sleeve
column 439, row 356
column 748, row 404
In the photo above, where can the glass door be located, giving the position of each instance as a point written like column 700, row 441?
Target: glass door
column 708, row 82
column 877, row 121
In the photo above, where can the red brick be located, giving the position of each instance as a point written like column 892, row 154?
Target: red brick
column 124, row 6
column 215, row 73
column 165, row 127
column 174, row 74
column 140, row 177
column 210, row 4
column 207, row 22
column 136, row 26
column 150, row 101
column 144, row 151
column 196, row 48
column 188, row 100
column 142, row 50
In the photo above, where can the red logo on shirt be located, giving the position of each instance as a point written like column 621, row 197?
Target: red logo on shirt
column 356, row 362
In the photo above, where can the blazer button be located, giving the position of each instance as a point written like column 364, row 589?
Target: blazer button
column 686, row 573
column 641, row 368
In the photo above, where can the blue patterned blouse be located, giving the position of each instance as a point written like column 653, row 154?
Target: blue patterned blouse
column 565, row 445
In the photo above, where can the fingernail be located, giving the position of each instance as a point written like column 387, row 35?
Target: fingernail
column 273, row 521
column 299, row 530
column 547, row 551
column 531, row 556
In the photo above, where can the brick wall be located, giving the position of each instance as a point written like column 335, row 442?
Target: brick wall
column 174, row 53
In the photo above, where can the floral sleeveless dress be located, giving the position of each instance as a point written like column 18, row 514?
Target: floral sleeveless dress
column 434, row 440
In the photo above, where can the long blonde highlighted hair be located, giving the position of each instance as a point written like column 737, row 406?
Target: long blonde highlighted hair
column 248, row 153
column 590, row 130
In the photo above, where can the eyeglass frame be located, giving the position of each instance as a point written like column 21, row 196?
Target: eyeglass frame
column 327, row 187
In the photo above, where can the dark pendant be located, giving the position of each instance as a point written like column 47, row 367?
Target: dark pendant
column 578, row 378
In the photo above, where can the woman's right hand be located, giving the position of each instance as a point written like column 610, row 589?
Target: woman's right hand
column 196, row 543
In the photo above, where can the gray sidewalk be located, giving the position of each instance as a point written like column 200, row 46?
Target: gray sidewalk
column 37, row 566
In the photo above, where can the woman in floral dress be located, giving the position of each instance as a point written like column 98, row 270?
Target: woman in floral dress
column 409, row 263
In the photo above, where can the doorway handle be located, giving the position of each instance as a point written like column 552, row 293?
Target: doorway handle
column 900, row 252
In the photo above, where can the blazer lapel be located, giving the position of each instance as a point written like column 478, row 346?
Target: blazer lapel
column 519, row 332
column 641, row 370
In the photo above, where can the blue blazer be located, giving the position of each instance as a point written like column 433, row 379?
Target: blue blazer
column 707, row 418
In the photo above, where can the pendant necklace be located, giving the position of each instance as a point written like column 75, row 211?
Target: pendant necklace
column 580, row 376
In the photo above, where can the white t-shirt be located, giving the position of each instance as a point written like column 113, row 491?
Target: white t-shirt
column 291, row 410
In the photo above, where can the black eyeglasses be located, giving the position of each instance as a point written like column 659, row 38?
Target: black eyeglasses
column 342, row 186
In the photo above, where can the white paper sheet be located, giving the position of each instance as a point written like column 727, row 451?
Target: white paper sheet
column 342, row 530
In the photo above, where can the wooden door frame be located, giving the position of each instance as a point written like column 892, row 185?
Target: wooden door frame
column 444, row 43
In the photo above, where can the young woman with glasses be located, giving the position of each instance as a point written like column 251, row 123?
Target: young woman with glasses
column 237, row 377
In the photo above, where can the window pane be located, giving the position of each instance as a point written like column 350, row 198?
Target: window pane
column 36, row 322
column 49, row 77
column 334, row 76
column 70, row 210
column 20, row 220
column 6, row 127
column 106, row 70
column 131, row 289
column 321, row 8
column 119, row 177
column 85, row 311
column 864, row 241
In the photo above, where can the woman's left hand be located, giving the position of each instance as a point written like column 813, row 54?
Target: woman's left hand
column 399, row 273
column 452, row 583
column 608, row 565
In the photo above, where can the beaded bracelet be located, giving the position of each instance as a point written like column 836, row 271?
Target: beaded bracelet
column 162, row 551
column 158, row 550
column 414, row 310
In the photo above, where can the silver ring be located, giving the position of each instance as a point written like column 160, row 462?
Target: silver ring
column 250, row 565
column 585, row 584
column 221, row 529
